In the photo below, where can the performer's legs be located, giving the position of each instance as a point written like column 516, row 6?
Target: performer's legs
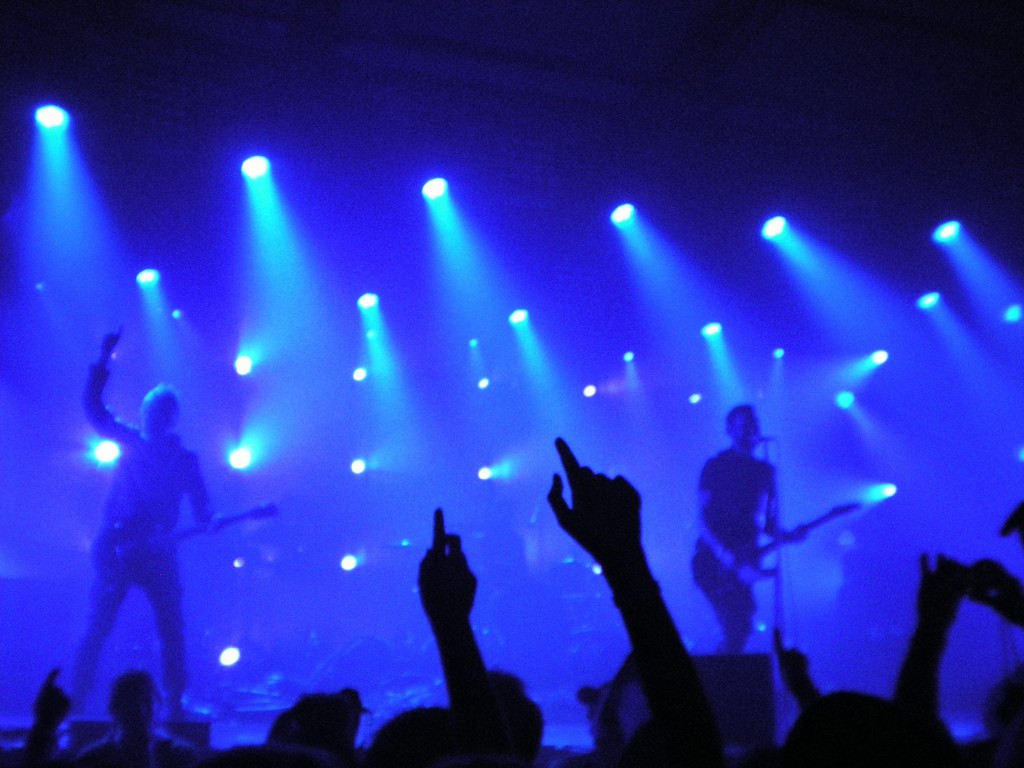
column 731, row 598
column 162, row 586
column 107, row 593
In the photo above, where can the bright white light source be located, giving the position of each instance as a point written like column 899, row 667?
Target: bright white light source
column 589, row 391
column 484, row 383
column 695, row 398
column 349, row 562
column 484, row 473
column 435, row 188
column 256, row 167
column 243, row 365
column 358, row 467
column 518, row 317
column 368, row 301
column 51, row 116
column 106, row 452
column 929, row 300
column 711, row 329
column 624, row 214
column 148, row 277
column 946, row 232
column 240, row 458
column 879, row 357
column 359, row 374
column 774, row 227
column 230, row 656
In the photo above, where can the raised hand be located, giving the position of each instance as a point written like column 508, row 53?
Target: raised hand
column 107, row 346
column 52, row 704
column 604, row 517
column 795, row 670
column 994, row 586
column 941, row 590
column 1015, row 522
column 447, row 586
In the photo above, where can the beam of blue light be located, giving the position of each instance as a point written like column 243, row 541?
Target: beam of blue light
column 1012, row 314
column 368, row 301
column 879, row 357
column 845, row 399
column 52, row 117
column 256, row 167
column 518, row 317
column 990, row 287
column 240, row 458
column 946, row 231
column 711, row 329
column 435, row 189
column 243, row 365
column 727, row 379
column 773, row 228
column 929, row 300
column 880, row 492
column 623, row 215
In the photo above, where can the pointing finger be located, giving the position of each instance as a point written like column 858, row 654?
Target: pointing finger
column 438, row 543
column 572, row 466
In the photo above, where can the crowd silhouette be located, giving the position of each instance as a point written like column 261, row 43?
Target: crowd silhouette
column 490, row 720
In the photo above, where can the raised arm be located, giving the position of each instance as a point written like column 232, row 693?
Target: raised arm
column 51, row 706
column 795, row 671
column 939, row 595
column 605, row 520
column 102, row 420
column 447, row 589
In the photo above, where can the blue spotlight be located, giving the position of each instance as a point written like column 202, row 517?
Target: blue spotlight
column 879, row 357
column 589, row 391
column 877, row 493
column 349, row 562
column 106, row 452
column 51, row 116
column 368, row 301
column 946, row 232
column 240, row 458
column 624, row 214
column 485, row 473
column 845, row 399
column 256, row 167
column 148, row 277
column 519, row 317
column 778, row 353
column 243, row 365
column 1012, row 313
column 359, row 374
column 774, row 227
column 177, row 314
column 711, row 329
column 695, row 398
column 629, row 357
column 929, row 300
column 435, row 188
column 484, row 383
column 474, row 343
column 358, row 467
column 229, row 656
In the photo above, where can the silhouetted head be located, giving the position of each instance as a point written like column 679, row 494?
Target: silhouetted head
column 159, row 411
column 134, row 700
column 326, row 721
column 522, row 714
column 416, row 738
column 742, row 427
column 850, row 730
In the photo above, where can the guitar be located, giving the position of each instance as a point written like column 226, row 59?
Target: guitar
column 128, row 548
column 750, row 569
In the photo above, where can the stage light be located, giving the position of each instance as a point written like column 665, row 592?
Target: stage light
column 349, row 563
column 695, row 398
column 1012, row 313
column 946, row 232
column 779, row 353
column 774, row 227
column 256, row 167
column 230, row 656
column 929, row 300
column 106, row 452
column 148, row 277
column 240, row 458
column 435, row 188
column 243, row 365
column 238, row 563
column 596, row 569
column 484, row 383
column 624, row 214
column 51, row 116
column 177, row 314
column 484, row 473
column 474, row 343
column 368, row 301
column 881, row 491
column 589, row 391
column 628, row 357
column 711, row 329
column 845, row 399
column 359, row 374
column 518, row 317
column 879, row 357
column 358, row 467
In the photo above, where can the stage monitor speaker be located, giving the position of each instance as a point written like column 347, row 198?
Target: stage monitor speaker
column 741, row 689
